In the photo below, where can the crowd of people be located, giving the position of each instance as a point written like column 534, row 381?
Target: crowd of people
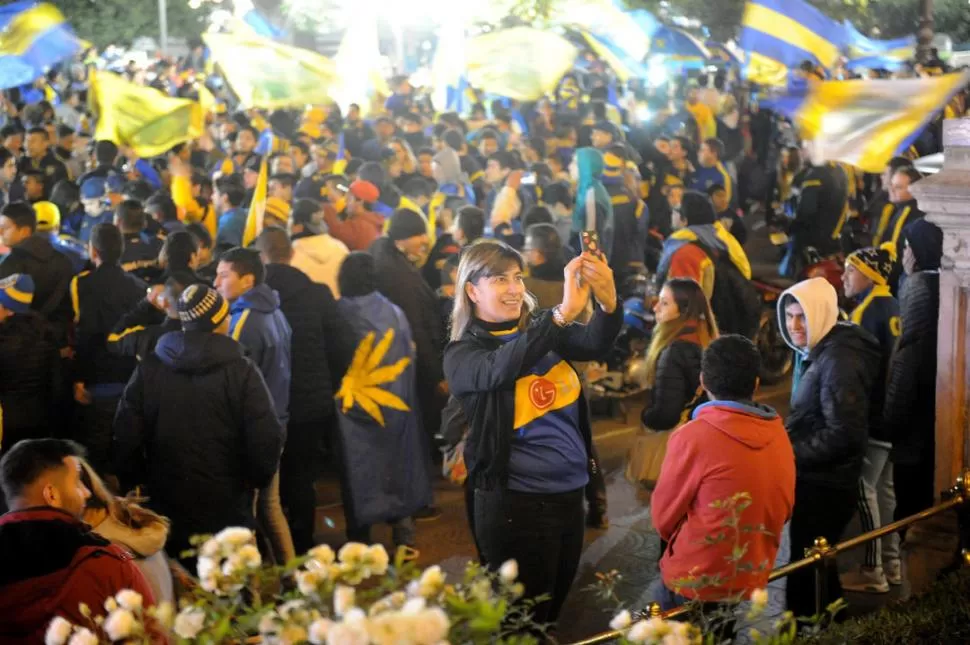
column 426, row 278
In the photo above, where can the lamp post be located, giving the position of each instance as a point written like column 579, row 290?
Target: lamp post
column 924, row 36
column 163, row 26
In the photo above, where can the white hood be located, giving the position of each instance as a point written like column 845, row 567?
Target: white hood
column 320, row 257
column 820, row 302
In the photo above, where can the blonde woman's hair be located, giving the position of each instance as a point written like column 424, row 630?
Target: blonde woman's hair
column 126, row 510
column 483, row 259
column 695, row 311
column 409, row 164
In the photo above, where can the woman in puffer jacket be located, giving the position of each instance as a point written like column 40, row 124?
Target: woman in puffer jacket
column 137, row 529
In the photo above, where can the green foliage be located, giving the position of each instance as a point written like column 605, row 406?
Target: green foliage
column 941, row 615
column 119, row 22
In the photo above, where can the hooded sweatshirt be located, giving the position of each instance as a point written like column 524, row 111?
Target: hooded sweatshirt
column 259, row 325
column 52, row 273
column 832, row 388
column 320, row 257
column 727, row 448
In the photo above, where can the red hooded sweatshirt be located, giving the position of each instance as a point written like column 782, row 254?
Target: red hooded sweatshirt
column 728, row 448
column 51, row 562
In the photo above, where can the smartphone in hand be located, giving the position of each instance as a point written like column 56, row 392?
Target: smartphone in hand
column 590, row 242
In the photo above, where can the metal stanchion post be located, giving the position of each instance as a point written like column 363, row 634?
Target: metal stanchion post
column 821, row 552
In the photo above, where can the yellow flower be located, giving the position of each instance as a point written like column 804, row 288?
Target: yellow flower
column 360, row 384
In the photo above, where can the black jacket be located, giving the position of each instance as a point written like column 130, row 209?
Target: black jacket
column 140, row 256
column 482, row 371
column 401, row 283
column 675, row 386
column 101, row 298
column 829, row 419
column 197, row 427
column 30, row 378
column 311, row 311
column 52, row 273
column 138, row 331
column 823, row 192
column 909, row 417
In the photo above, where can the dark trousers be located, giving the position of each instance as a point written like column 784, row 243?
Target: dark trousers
column 543, row 533
column 95, row 429
column 298, row 472
column 915, row 487
column 820, row 511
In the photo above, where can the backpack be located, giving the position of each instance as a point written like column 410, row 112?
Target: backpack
column 735, row 301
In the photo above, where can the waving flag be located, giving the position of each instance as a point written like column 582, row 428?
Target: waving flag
column 867, row 53
column 257, row 208
column 723, row 53
column 622, row 65
column 32, row 38
column 266, row 74
column 519, row 63
column 865, row 123
column 778, row 35
column 679, row 46
column 142, row 118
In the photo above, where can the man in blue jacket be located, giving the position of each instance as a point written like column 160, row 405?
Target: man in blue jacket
column 259, row 325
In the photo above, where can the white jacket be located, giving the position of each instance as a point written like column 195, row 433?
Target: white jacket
column 320, row 257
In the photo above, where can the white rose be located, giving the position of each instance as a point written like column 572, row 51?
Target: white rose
column 308, row 581
column 292, row 634
column 389, row 602
column 431, row 582
column 211, row 549
column 235, row 536
column 189, row 622
column 355, row 615
column 348, row 634
column 622, row 620
column 676, row 639
column 205, row 567
column 378, row 559
column 269, row 624
column 413, row 607
column 210, row 583
column 250, row 556
column 430, row 626
column 352, row 553
column 648, row 631
column 119, row 624
column 509, row 571
column 318, row 631
column 390, row 629
column 759, row 599
column 130, row 600
column 322, row 554
column 343, row 599
column 110, row 604
column 83, row 636
column 58, row 631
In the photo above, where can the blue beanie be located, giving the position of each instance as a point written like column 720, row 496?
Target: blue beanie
column 93, row 188
column 17, row 292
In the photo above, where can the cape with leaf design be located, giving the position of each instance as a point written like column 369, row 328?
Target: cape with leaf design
column 384, row 447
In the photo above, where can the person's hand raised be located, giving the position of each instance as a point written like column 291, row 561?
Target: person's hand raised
column 575, row 291
column 599, row 276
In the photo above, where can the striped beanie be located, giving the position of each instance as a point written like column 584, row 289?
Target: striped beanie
column 201, row 308
column 17, row 292
column 874, row 263
column 613, row 166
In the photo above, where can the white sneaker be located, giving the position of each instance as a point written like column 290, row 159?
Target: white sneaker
column 865, row 580
column 894, row 572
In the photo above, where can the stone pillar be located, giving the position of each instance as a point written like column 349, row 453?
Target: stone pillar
column 945, row 198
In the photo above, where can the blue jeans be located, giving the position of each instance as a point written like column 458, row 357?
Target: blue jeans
column 659, row 593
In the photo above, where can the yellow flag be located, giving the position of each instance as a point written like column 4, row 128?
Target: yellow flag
column 266, row 74
column 521, row 63
column 257, row 209
column 142, row 118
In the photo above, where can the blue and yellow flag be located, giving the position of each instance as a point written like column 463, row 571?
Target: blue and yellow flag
column 266, row 74
column 520, row 63
column 866, row 53
column 257, row 208
column 33, row 37
column 678, row 46
column 622, row 65
column 142, row 118
column 778, row 35
column 865, row 123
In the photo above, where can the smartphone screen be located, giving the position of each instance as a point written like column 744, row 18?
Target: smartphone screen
column 590, row 241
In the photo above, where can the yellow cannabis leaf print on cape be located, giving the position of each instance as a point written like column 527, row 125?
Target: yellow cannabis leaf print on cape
column 360, row 385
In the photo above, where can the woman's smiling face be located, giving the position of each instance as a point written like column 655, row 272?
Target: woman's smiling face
column 499, row 298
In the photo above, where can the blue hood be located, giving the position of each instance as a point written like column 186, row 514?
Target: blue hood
column 260, row 298
column 196, row 351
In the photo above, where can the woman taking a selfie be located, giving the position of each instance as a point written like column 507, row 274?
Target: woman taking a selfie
column 685, row 327
column 528, row 451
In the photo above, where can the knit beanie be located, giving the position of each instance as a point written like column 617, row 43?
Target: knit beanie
column 201, row 308
column 613, row 166
column 874, row 263
column 926, row 240
column 405, row 224
column 17, row 292
column 358, row 275
column 697, row 208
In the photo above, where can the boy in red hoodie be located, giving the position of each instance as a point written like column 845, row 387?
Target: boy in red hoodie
column 732, row 445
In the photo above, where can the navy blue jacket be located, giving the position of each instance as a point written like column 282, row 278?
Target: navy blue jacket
column 261, row 328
